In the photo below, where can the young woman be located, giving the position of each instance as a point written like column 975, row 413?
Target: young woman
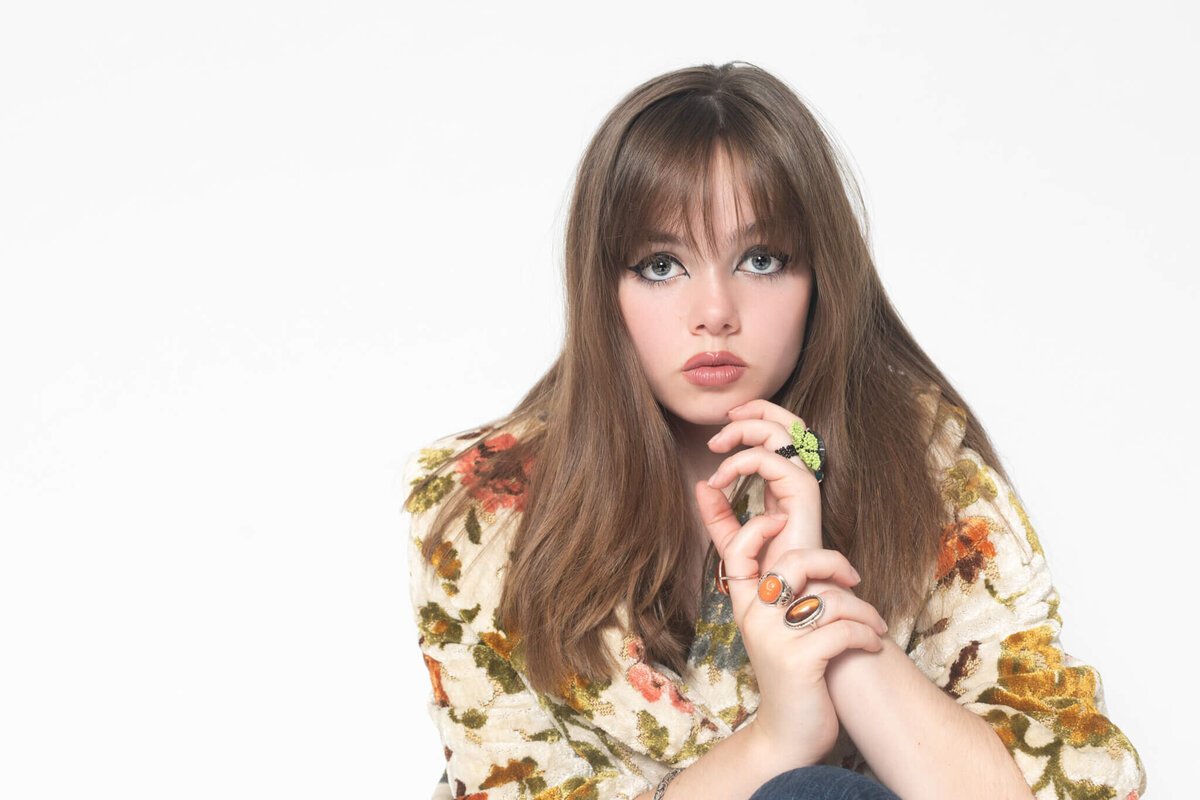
column 743, row 526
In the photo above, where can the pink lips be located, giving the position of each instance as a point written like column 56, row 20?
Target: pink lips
column 713, row 369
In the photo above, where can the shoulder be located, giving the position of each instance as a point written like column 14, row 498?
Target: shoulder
column 479, row 461
column 984, row 517
column 981, row 507
column 943, row 424
column 466, row 492
column 988, row 551
column 990, row 577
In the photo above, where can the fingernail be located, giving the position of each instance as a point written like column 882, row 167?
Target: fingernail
column 885, row 629
column 715, row 435
column 857, row 577
column 710, row 481
column 777, row 515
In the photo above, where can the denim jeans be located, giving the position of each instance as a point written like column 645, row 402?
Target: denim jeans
column 821, row 782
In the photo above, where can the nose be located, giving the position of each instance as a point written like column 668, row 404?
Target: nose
column 713, row 305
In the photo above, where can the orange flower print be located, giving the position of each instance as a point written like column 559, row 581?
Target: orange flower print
column 965, row 550
column 460, row 792
column 584, row 695
column 1034, row 679
column 503, row 643
column 445, row 561
column 652, row 683
column 512, row 772
column 435, row 678
column 493, row 491
column 449, row 568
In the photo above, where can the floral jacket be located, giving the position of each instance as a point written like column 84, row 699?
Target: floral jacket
column 987, row 634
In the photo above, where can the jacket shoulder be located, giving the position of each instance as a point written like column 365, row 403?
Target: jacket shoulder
column 468, row 490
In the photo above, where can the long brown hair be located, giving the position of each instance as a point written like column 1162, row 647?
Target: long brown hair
column 607, row 520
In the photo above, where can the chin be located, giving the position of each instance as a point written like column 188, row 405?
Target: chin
column 708, row 417
column 714, row 421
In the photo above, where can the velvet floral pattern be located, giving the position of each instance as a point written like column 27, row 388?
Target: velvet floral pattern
column 649, row 681
column 987, row 634
column 966, row 550
column 493, row 493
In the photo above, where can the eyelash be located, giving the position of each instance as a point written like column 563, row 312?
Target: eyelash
column 760, row 250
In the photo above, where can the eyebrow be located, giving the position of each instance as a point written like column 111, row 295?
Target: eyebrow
column 662, row 237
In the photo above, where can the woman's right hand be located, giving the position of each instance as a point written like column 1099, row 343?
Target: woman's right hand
column 796, row 719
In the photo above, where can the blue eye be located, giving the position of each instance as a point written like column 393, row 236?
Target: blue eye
column 758, row 261
column 658, row 268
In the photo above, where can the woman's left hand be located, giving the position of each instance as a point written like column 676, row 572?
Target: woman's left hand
column 791, row 487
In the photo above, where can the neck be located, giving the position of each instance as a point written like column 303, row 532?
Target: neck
column 696, row 461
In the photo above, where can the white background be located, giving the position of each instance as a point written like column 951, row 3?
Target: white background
column 255, row 253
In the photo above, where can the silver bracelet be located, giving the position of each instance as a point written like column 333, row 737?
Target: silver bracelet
column 662, row 785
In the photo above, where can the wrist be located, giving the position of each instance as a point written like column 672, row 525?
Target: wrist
column 661, row 789
column 852, row 670
column 766, row 751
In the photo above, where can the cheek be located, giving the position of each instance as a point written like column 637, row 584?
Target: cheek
column 784, row 322
column 641, row 320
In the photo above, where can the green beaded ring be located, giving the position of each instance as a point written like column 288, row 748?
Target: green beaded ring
column 807, row 447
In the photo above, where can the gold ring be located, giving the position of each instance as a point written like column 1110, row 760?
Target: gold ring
column 723, row 579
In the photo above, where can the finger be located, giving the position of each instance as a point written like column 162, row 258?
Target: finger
column 740, row 557
column 799, row 567
column 716, row 514
column 724, row 529
column 751, row 432
column 765, row 409
column 849, row 606
column 750, row 539
column 789, row 488
column 781, row 474
column 829, row 641
column 845, row 605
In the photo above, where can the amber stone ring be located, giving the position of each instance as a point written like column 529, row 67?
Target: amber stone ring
column 774, row 590
column 723, row 579
column 804, row 611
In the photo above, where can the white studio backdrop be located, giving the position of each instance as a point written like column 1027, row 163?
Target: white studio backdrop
column 254, row 254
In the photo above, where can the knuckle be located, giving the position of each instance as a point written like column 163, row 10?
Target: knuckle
column 734, row 461
column 719, row 515
column 761, row 521
column 797, row 558
column 838, row 559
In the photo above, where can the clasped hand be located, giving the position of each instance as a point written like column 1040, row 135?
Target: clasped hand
column 796, row 719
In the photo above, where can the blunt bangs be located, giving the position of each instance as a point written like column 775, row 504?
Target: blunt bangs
column 665, row 178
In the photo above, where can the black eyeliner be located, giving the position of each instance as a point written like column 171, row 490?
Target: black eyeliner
column 638, row 268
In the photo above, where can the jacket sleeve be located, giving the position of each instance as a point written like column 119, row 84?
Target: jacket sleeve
column 501, row 739
column 989, row 636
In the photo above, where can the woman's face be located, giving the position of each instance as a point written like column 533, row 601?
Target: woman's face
column 714, row 330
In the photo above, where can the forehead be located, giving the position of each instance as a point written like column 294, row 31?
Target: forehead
column 702, row 195
column 707, row 203
column 724, row 235
column 711, row 221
